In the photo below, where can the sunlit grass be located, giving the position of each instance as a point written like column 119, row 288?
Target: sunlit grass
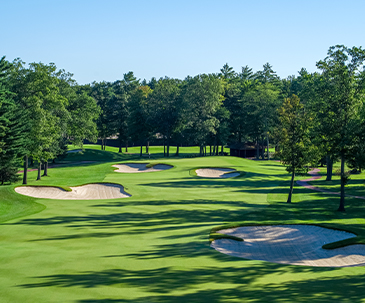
column 154, row 246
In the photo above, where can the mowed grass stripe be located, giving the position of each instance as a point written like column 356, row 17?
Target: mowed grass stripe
column 153, row 246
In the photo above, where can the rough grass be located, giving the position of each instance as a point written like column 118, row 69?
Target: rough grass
column 153, row 246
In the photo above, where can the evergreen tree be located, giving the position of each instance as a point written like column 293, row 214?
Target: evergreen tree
column 12, row 130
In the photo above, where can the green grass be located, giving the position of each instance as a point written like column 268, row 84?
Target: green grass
column 355, row 186
column 154, row 246
column 154, row 151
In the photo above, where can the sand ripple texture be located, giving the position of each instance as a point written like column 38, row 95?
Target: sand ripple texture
column 85, row 192
column 291, row 244
column 217, row 173
column 139, row 168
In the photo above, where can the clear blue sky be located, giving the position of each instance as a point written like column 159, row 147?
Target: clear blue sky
column 102, row 40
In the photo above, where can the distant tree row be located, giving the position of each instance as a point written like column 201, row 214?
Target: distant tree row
column 208, row 109
column 42, row 109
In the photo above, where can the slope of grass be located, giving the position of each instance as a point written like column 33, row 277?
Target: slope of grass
column 11, row 208
column 153, row 246
column 154, row 151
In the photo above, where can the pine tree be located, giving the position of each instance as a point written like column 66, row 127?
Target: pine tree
column 12, row 126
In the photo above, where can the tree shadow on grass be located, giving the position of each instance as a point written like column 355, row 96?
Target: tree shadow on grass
column 235, row 282
column 345, row 289
column 179, row 221
column 128, row 219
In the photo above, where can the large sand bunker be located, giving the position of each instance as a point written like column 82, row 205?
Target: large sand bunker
column 291, row 244
column 217, row 172
column 139, row 168
column 84, row 192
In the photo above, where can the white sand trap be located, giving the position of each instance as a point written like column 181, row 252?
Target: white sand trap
column 84, row 192
column 139, row 168
column 291, row 244
column 217, row 173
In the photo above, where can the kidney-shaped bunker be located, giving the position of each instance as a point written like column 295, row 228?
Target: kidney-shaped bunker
column 140, row 167
column 291, row 244
column 85, row 192
column 217, row 172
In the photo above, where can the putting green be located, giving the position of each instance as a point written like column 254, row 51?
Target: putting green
column 153, row 246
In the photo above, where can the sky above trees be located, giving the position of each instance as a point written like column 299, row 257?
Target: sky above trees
column 102, row 40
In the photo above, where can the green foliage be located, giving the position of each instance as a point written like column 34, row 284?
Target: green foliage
column 296, row 151
column 202, row 97
column 12, row 127
column 165, row 106
column 103, row 93
column 37, row 93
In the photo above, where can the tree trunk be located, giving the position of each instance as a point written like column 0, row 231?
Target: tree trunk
column 39, row 170
column 140, row 154
column 147, row 146
column 102, row 144
column 262, row 148
column 164, row 147
column 177, row 150
column 120, row 146
column 25, row 173
column 329, row 168
column 210, row 149
column 126, row 146
column 45, row 167
column 257, row 149
column 215, row 146
column 267, row 142
column 205, row 150
column 291, row 187
column 168, row 146
column 31, row 161
column 342, row 199
column 222, row 153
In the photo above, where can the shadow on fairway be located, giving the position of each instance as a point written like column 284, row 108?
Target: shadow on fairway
column 97, row 155
column 162, row 281
column 181, row 219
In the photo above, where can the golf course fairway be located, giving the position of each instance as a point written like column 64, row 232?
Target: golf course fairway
column 154, row 246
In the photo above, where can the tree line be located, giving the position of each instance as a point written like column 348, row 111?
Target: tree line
column 42, row 109
column 309, row 117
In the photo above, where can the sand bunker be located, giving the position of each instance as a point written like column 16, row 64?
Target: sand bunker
column 217, row 172
column 291, row 244
column 85, row 192
column 139, row 168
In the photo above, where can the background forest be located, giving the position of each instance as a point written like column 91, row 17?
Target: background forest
column 309, row 117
